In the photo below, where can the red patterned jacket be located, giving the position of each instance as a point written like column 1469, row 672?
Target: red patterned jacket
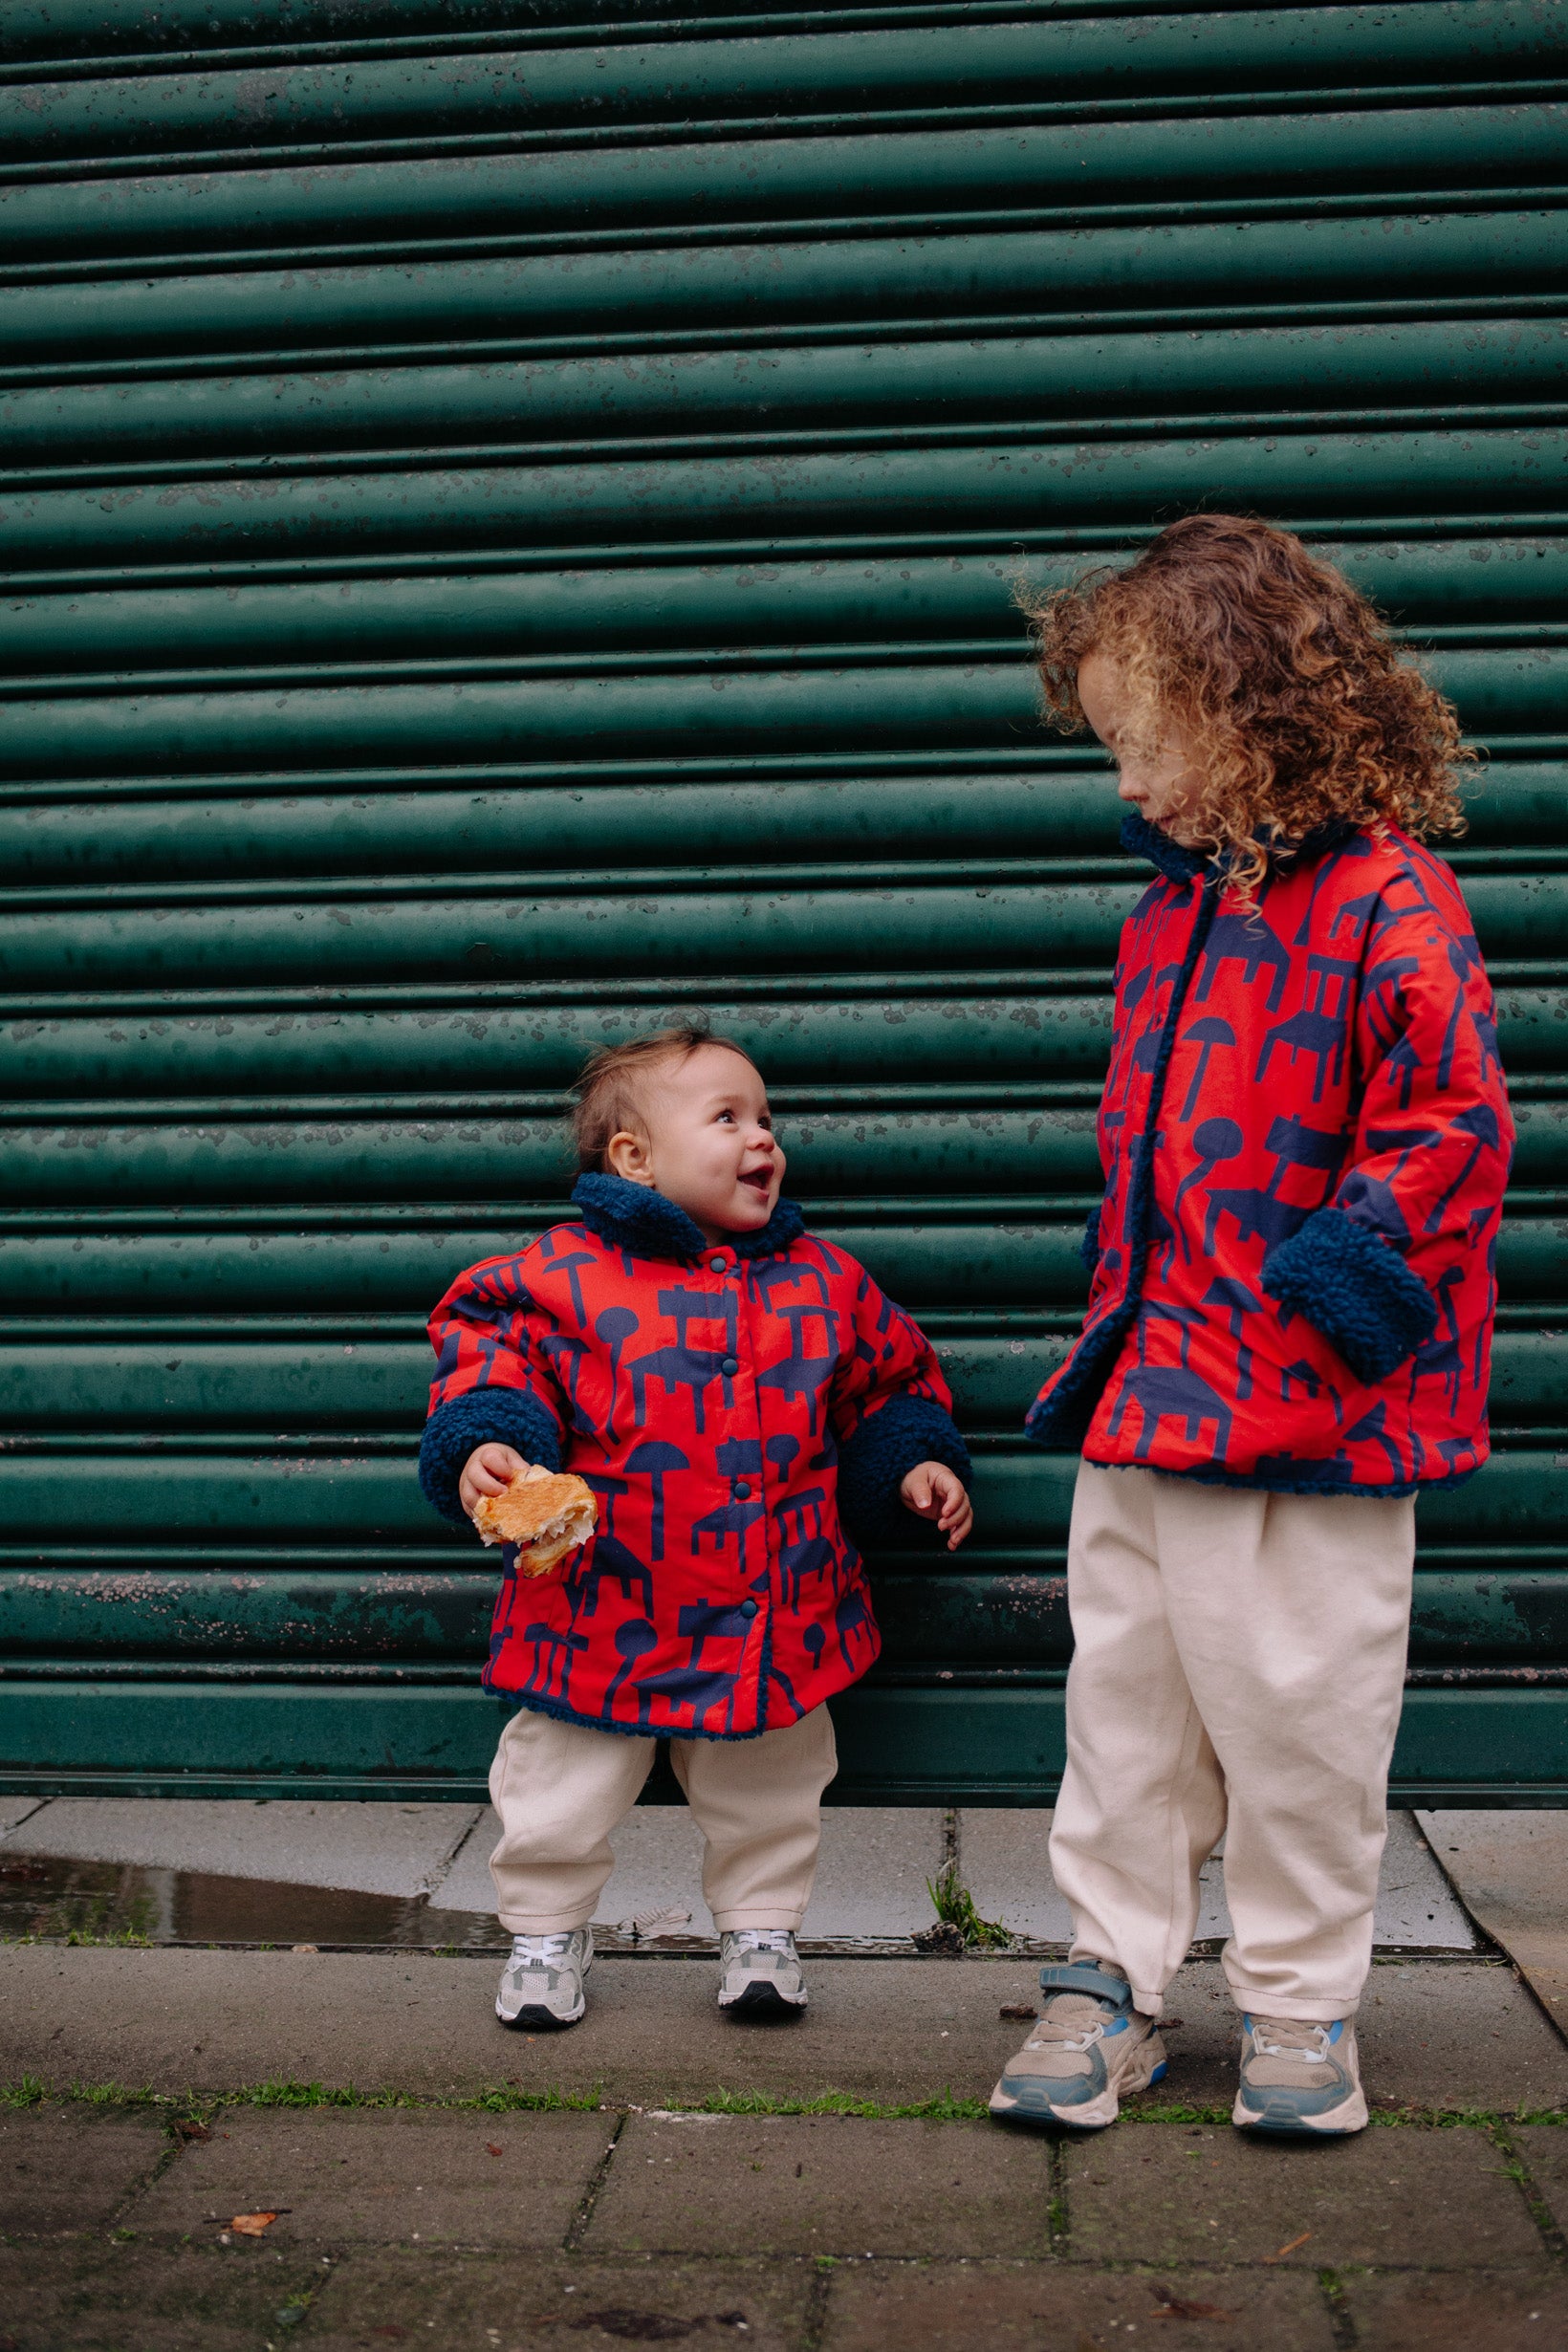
column 725, row 1401
column 1305, row 1136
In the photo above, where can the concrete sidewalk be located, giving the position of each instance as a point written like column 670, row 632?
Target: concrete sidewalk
column 658, row 2175
column 407, row 2172
column 241, row 1871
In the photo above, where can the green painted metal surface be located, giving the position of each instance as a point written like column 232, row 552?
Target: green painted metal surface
column 511, row 514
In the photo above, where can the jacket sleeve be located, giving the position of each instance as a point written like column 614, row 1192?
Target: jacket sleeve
column 889, row 1408
column 494, row 1380
column 1429, row 1163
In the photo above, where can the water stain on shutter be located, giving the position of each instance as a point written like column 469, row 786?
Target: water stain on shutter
column 511, row 515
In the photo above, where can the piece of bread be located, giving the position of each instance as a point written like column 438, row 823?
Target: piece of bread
column 546, row 1513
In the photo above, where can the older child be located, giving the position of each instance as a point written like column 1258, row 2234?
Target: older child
column 1305, row 1137
column 736, row 1391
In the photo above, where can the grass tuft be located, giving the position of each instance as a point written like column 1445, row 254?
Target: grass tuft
column 954, row 1906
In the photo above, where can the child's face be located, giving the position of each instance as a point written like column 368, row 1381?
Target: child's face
column 709, row 1143
column 1158, row 768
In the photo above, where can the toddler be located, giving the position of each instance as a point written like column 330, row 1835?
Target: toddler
column 1305, row 1139
column 738, row 1393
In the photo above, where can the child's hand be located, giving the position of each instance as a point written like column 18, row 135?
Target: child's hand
column 931, row 1491
column 489, row 1470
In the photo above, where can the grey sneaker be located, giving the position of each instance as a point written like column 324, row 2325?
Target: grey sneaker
column 541, row 1984
column 1089, row 2047
column 759, row 1973
column 1298, row 2077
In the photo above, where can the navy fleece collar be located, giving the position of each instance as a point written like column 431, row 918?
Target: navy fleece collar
column 1141, row 840
column 635, row 1218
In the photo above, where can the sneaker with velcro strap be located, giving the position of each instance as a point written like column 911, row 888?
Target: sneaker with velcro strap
column 541, row 1985
column 1090, row 2049
column 1299, row 2078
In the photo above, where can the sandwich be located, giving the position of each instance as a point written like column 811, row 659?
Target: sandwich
column 546, row 1513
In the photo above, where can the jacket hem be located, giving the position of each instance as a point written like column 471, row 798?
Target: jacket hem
column 530, row 1702
column 1207, row 1474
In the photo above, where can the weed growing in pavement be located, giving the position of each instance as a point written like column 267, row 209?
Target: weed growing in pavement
column 506, row 2098
column 942, row 2109
column 954, row 1907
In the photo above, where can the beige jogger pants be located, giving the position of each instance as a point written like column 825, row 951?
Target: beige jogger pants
column 1239, row 1667
column 562, row 1788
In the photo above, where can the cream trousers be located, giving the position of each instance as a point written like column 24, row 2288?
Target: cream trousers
column 1239, row 1667
column 561, row 1790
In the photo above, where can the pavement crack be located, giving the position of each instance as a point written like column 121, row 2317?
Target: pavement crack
column 1518, row 2171
column 1056, row 2212
column 817, row 2305
column 576, row 2227
column 1341, row 2326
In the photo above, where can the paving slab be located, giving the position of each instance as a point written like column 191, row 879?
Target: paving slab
column 1006, row 1864
column 337, row 2176
column 1511, row 1871
column 121, row 2297
column 821, row 2185
column 370, row 1848
column 69, row 2168
column 870, row 1879
column 1497, row 2312
column 1441, row 2198
column 377, row 2299
column 1021, row 2308
column 1544, row 2148
column 14, row 1809
column 1454, row 2035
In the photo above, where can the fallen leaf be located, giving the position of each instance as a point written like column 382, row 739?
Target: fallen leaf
column 649, row 1924
column 191, row 2127
column 490, row 2148
column 1168, row 2305
column 252, row 2225
column 304, row 1948
column 1017, row 2008
column 1281, row 2251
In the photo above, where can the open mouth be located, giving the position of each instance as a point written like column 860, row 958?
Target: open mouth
column 759, row 1179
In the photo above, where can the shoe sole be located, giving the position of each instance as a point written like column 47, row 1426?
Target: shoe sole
column 761, row 2001
column 1092, row 2114
column 1349, row 2116
column 537, row 2020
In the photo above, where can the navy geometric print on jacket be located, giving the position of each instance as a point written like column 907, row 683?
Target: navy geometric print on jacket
column 725, row 1401
column 1305, row 1137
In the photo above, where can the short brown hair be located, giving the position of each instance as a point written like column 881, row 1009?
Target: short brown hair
column 1307, row 712
column 609, row 1091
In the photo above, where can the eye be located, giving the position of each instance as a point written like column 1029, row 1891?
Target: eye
column 729, row 1115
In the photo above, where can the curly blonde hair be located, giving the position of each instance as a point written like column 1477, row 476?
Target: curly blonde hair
column 1228, row 630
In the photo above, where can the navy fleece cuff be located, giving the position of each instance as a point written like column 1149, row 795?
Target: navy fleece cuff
column 1355, row 1288
column 482, row 1417
column 874, row 1463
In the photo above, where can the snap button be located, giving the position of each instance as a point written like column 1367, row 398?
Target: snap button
column 748, row 1608
column 730, row 1367
column 718, row 1263
column 743, row 1489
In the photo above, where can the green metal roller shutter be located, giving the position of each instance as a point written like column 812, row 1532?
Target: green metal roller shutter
column 510, row 517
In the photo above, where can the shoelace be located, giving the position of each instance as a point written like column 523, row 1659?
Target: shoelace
column 539, row 1951
column 1062, row 2038
column 1316, row 2055
column 762, row 1939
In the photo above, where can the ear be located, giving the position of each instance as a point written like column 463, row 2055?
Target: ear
column 627, row 1155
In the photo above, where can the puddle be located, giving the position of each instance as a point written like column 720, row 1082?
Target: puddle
column 45, row 1895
